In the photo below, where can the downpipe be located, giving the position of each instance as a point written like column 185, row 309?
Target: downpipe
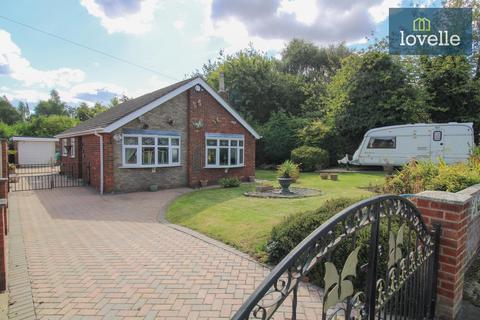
column 101, row 160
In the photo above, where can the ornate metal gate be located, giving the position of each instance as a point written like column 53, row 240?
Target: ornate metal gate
column 375, row 260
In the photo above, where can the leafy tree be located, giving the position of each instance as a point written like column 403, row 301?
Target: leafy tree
column 42, row 126
column 279, row 138
column 318, row 134
column 84, row 112
column 256, row 86
column 8, row 113
column 53, row 106
column 6, row 131
column 315, row 63
column 474, row 59
column 451, row 92
column 369, row 91
column 24, row 110
column 117, row 100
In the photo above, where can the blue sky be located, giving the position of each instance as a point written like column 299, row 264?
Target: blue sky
column 172, row 37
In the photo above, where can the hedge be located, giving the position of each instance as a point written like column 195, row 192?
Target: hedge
column 310, row 158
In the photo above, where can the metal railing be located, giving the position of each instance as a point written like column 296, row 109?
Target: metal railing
column 386, row 239
column 38, row 177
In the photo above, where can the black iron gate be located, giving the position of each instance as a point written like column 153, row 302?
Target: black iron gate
column 387, row 266
column 46, row 176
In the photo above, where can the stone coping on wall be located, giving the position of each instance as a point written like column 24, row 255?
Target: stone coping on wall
column 457, row 198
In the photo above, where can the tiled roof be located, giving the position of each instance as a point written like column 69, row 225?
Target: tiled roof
column 121, row 110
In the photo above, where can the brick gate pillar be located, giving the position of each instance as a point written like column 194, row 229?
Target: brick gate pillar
column 458, row 214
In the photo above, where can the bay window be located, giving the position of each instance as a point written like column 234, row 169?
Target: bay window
column 150, row 151
column 224, row 150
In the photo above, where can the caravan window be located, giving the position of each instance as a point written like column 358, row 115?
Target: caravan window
column 437, row 135
column 382, row 143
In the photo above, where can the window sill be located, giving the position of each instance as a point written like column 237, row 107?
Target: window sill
column 150, row 167
column 224, row 167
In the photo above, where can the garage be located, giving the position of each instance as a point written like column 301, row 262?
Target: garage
column 34, row 150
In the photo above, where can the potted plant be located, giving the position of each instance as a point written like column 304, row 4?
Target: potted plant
column 285, row 173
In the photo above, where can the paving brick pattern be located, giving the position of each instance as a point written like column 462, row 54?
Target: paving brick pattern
column 107, row 257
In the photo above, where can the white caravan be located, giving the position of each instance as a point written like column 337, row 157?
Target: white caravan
column 396, row 145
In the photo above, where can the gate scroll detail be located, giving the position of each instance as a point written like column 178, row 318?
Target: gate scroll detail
column 377, row 259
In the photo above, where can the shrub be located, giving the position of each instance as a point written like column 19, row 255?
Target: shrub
column 320, row 135
column 293, row 229
column 427, row 175
column 228, row 182
column 279, row 138
column 310, row 158
column 288, row 169
column 476, row 152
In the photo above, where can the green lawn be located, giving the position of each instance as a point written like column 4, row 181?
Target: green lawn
column 245, row 223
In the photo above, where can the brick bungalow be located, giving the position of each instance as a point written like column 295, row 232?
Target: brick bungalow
column 176, row 136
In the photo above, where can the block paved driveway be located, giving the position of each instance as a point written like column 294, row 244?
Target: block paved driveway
column 76, row 254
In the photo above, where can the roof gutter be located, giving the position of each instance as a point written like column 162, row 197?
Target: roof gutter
column 78, row 133
column 101, row 160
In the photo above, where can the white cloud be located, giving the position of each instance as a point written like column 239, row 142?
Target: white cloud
column 268, row 24
column 27, row 95
column 380, row 12
column 89, row 92
column 151, row 84
column 304, row 10
column 14, row 65
column 92, row 92
column 179, row 24
column 127, row 16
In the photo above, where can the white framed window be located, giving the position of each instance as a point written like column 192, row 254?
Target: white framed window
column 382, row 143
column 224, row 151
column 437, row 135
column 148, row 151
column 72, row 147
column 64, row 148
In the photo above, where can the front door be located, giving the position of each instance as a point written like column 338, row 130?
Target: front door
column 437, row 145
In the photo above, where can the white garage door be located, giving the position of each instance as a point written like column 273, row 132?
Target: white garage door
column 36, row 152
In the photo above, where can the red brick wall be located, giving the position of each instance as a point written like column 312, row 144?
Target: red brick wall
column 3, row 214
column 203, row 107
column 71, row 165
column 86, row 163
column 108, row 183
column 452, row 255
column 89, row 153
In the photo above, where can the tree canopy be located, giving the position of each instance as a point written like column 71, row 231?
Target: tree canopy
column 53, row 106
column 8, row 113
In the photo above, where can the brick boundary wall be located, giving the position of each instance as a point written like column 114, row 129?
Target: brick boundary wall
column 459, row 215
column 3, row 213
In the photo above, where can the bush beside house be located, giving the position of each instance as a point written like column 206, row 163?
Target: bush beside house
column 427, row 175
column 310, row 158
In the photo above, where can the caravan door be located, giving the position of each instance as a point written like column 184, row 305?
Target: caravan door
column 437, row 145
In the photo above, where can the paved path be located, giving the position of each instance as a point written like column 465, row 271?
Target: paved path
column 94, row 257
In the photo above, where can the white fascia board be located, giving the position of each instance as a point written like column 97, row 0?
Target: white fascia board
column 152, row 105
column 38, row 139
column 79, row 133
